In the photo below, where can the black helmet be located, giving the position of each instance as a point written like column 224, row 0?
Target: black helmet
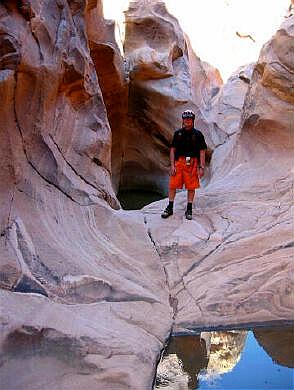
column 188, row 114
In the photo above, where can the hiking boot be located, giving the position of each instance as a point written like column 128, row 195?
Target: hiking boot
column 188, row 214
column 167, row 212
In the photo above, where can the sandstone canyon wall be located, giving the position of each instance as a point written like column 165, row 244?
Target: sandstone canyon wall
column 233, row 263
column 112, row 77
column 89, row 293
column 83, row 303
column 52, row 99
column 166, row 77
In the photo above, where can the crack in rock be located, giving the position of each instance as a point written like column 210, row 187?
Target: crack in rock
column 173, row 301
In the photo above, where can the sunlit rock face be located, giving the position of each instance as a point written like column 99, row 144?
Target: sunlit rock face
column 232, row 263
column 224, row 114
column 261, row 157
column 166, row 77
column 252, row 115
column 73, row 278
column 57, row 346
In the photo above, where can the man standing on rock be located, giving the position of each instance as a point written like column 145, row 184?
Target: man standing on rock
column 187, row 158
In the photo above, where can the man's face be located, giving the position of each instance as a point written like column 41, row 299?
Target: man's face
column 188, row 123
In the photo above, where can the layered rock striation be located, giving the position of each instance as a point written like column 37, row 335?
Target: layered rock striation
column 52, row 103
column 233, row 263
column 84, row 301
column 89, row 293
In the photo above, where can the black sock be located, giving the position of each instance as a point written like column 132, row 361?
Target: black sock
column 189, row 206
column 170, row 205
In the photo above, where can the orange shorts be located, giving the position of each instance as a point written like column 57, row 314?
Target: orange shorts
column 185, row 174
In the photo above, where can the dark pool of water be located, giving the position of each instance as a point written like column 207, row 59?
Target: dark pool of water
column 135, row 200
column 239, row 359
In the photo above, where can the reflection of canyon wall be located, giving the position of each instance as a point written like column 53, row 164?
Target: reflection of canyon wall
column 187, row 358
column 166, row 77
column 182, row 362
column 278, row 343
column 225, row 352
column 171, row 374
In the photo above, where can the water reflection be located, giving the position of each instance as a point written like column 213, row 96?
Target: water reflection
column 225, row 352
column 192, row 362
column 278, row 344
column 184, row 359
column 135, row 200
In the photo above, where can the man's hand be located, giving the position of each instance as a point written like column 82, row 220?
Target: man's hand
column 201, row 171
column 172, row 170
